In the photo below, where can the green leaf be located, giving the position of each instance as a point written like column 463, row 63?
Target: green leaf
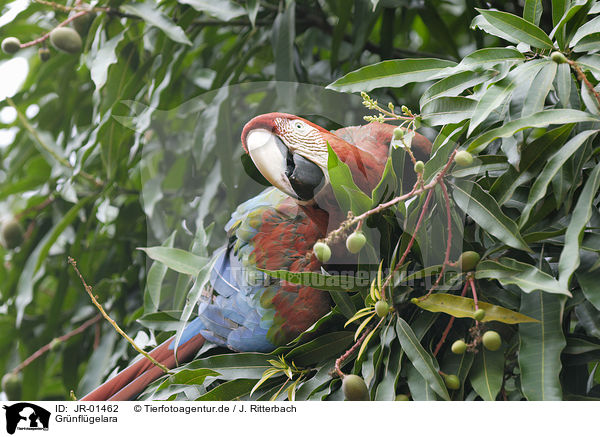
column 282, row 37
column 540, row 346
column 592, row 26
column 540, row 87
column 539, row 119
column 488, row 57
column 532, row 11
column 590, row 63
column 589, row 43
column 527, row 277
column 340, row 177
column 188, row 377
column 150, row 13
column 235, row 366
column 156, row 275
column 420, row 358
column 480, row 22
column 521, row 29
column 225, row 10
column 387, row 185
column 487, row 373
column 452, row 86
column 229, row 391
column 569, row 257
column 533, row 157
column 484, row 210
column 446, row 110
column 103, row 59
column 316, row 280
column 394, row 73
column 461, row 307
column 587, row 277
column 553, row 165
column 322, row 348
column 562, row 13
column 176, row 259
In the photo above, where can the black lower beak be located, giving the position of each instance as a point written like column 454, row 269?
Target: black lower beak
column 306, row 177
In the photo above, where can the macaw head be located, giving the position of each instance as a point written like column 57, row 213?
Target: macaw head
column 290, row 152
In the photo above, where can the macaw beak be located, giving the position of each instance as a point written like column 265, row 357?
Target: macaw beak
column 288, row 171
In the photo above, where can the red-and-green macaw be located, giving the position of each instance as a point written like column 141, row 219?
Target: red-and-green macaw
column 243, row 309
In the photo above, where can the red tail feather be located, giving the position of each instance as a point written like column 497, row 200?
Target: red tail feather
column 135, row 378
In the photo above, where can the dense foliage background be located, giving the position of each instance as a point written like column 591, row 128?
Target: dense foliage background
column 134, row 142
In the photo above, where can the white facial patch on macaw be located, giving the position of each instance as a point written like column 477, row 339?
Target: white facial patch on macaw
column 303, row 139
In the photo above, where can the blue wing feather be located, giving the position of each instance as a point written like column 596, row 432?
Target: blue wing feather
column 232, row 315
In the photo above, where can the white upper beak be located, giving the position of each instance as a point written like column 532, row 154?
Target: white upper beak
column 269, row 158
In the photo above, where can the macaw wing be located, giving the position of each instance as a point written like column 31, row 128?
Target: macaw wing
column 245, row 309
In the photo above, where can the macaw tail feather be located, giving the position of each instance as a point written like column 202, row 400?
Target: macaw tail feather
column 129, row 383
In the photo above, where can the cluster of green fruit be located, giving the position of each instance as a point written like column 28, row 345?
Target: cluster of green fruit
column 12, row 233
column 62, row 38
column 354, row 243
column 491, row 341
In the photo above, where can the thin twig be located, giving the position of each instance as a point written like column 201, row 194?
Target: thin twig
column 88, row 289
column 47, row 35
column 340, row 360
column 41, row 351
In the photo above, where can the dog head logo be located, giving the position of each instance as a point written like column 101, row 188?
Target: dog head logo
column 26, row 416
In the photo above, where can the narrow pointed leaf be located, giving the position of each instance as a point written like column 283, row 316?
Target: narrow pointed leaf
column 540, row 346
column 446, row 110
column 176, row 259
column 540, row 119
column 454, row 85
column 487, row 372
column 488, row 57
column 484, row 210
column 521, row 29
column 592, row 26
column 582, row 212
column 393, row 73
column 554, row 164
column 461, row 307
column 420, row 358
column 532, row 11
column 152, row 15
column 527, row 277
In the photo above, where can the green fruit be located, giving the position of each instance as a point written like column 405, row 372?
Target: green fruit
column 398, row 133
column 66, row 40
column 82, row 23
column 402, row 397
column 419, row 167
column 459, row 347
column 463, row 158
column 12, row 234
column 44, row 53
column 11, row 45
column 479, row 315
column 558, row 57
column 382, row 308
column 468, row 260
column 354, row 388
column 491, row 340
column 452, row 382
column 322, row 251
column 11, row 386
column 355, row 241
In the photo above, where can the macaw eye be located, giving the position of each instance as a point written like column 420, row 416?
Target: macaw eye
column 299, row 125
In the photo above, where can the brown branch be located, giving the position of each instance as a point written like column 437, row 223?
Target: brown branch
column 340, row 360
column 88, row 289
column 47, row 35
column 41, row 351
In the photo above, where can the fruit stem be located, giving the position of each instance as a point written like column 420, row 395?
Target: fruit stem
column 581, row 76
